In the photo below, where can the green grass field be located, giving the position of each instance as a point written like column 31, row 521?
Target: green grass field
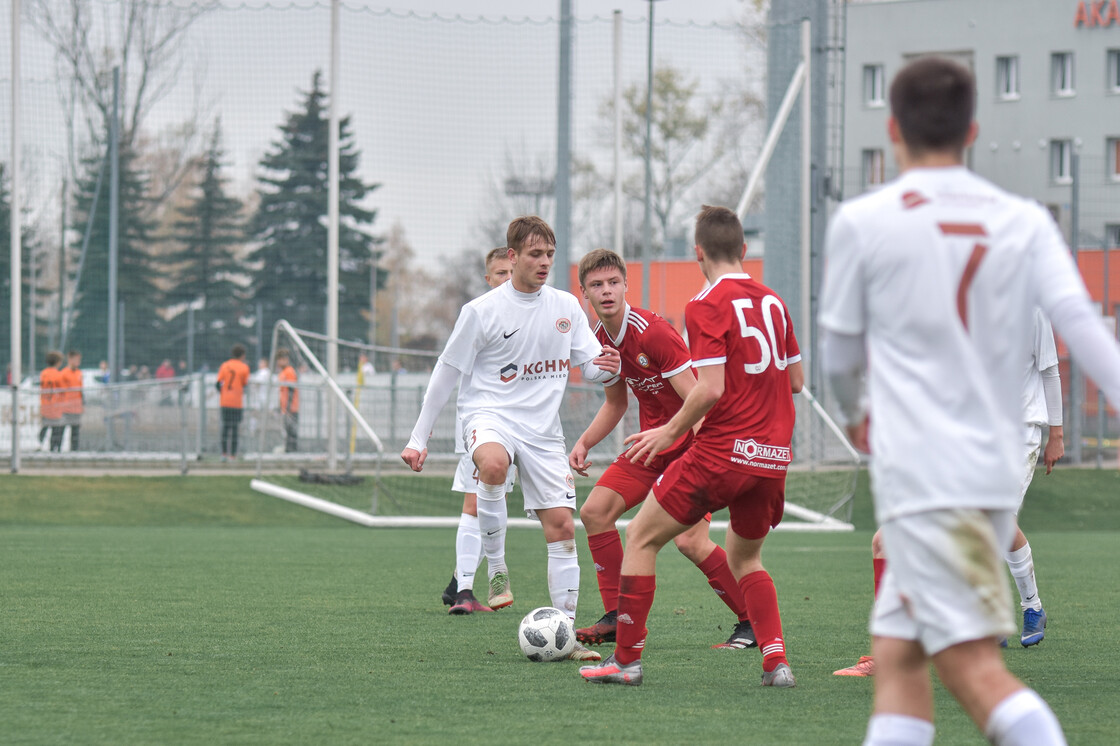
column 193, row 610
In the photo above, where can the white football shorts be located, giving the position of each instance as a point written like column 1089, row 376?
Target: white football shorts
column 945, row 581
column 542, row 467
column 1032, row 447
column 466, row 476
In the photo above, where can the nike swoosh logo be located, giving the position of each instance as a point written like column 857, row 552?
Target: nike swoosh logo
column 491, row 533
column 510, row 334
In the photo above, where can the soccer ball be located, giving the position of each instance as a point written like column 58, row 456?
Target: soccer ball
column 546, row 634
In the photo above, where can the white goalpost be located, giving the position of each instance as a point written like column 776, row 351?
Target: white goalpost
column 379, row 391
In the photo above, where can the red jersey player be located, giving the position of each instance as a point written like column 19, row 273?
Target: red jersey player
column 657, row 367
column 748, row 368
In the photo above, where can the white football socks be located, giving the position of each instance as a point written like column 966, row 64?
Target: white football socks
column 468, row 551
column 563, row 576
column 1021, row 565
column 1024, row 719
column 492, row 520
column 890, row 729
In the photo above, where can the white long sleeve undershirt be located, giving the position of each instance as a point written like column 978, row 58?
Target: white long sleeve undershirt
column 440, row 385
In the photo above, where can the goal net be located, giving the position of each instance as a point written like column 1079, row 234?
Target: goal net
column 376, row 397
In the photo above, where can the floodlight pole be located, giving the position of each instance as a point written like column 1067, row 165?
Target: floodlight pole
column 564, row 150
column 16, row 248
column 332, row 242
column 618, row 132
column 647, row 219
column 114, row 224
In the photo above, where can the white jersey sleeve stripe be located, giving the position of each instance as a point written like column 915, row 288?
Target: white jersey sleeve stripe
column 676, row 371
column 709, row 361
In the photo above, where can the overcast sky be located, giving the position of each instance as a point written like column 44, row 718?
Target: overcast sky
column 701, row 11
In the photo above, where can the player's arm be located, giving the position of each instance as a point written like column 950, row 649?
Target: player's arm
column 602, row 368
column 440, row 385
column 844, row 363
column 606, row 419
column 796, row 377
column 705, row 393
column 1055, row 438
column 597, row 362
column 683, row 383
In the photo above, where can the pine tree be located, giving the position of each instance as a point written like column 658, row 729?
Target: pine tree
column 210, row 232
column 143, row 341
column 290, row 226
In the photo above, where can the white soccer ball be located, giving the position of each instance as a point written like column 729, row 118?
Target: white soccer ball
column 546, row 634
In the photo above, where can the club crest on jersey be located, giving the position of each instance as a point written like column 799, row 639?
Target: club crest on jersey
column 754, row 451
column 508, row 373
column 563, row 325
column 643, row 359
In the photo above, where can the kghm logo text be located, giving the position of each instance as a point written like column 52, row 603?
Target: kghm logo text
column 537, row 370
column 754, row 451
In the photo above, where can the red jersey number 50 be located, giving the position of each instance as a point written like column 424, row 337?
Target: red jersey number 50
column 768, row 342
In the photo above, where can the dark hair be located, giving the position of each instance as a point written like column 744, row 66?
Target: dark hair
column 600, row 259
column 282, row 353
column 933, row 100
column 73, row 353
column 526, row 226
column 494, row 255
column 53, row 358
column 719, row 233
column 238, row 351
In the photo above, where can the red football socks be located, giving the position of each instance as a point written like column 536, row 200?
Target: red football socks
column 635, row 597
column 606, row 552
column 762, row 604
column 880, row 566
column 723, row 582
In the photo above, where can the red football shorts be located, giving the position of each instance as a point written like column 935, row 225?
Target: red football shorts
column 634, row 480
column 696, row 484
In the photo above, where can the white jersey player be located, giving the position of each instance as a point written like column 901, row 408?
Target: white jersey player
column 931, row 286
column 513, row 348
column 459, row 594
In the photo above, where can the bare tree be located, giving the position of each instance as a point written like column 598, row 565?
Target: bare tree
column 145, row 40
column 692, row 135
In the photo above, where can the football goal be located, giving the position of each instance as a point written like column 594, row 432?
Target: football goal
column 370, row 407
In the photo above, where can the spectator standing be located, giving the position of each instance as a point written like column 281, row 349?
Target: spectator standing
column 73, row 399
column 50, row 405
column 233, row 377
column 289, row 400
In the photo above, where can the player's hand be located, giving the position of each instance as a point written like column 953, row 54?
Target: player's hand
column 610, row 360
column 644, row 446
column 577, row 460
column 415, row 459
column 1055, row 448
column 857, row 434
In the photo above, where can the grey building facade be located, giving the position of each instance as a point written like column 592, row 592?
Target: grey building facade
column 1048, row 88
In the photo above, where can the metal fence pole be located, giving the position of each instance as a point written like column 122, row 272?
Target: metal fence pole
column 1076, row 385
column 183, row 439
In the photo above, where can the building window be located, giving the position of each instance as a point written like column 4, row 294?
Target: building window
column 1113, row 77
column 873, row 168
column 1061, row 73
column 874, row 85
column 1007, row 77
column 1112, row 235
column 1061, row 161
column 1113, row 151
